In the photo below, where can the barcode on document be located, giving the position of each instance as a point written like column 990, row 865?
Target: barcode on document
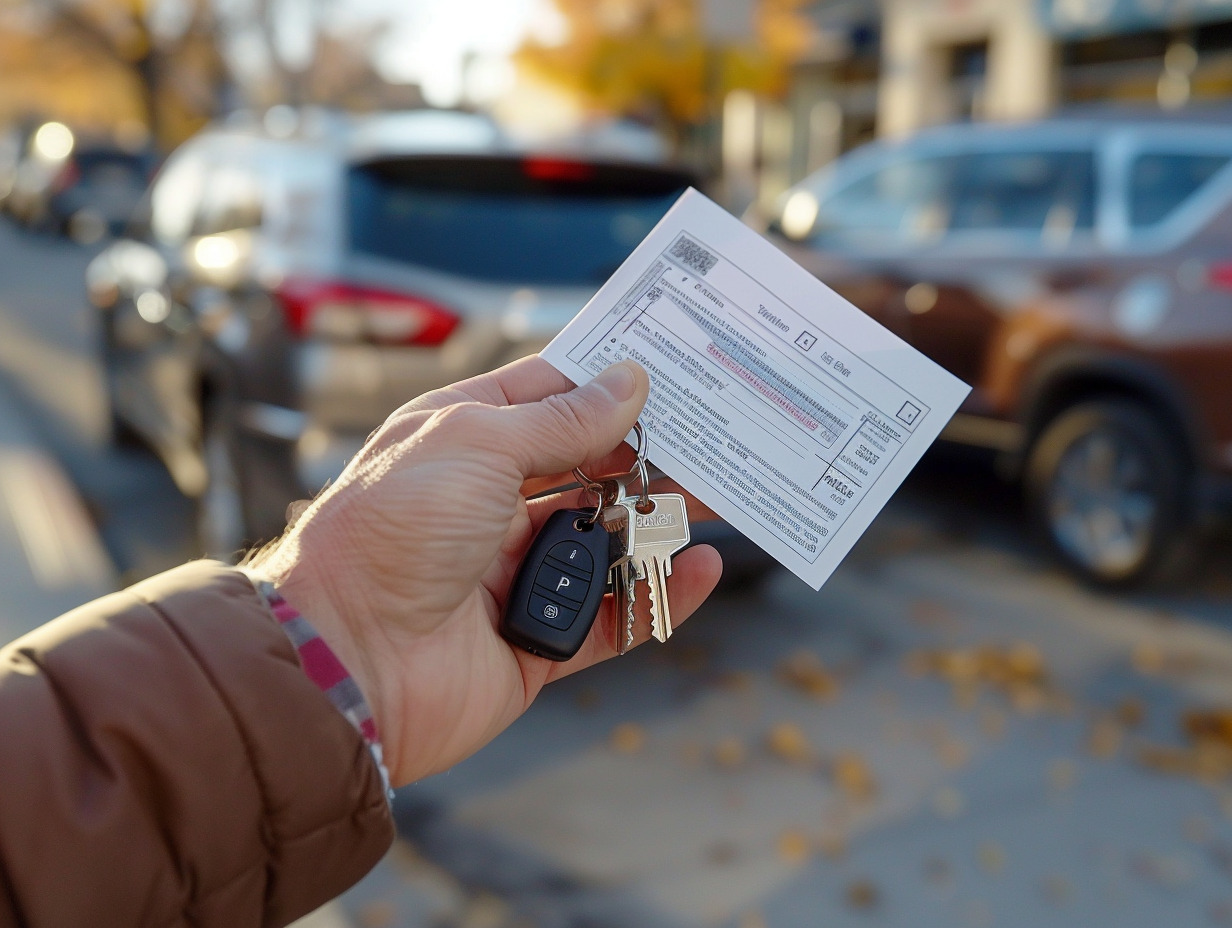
column 693, row 255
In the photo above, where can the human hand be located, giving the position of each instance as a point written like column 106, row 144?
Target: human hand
column 404, row 564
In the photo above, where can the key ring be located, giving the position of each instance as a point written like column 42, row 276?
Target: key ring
column 604, row 499
column 639, row 466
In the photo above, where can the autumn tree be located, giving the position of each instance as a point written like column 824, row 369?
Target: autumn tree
column 301, row 54
column 166, row 48
column 652, row 59
column 173, row 65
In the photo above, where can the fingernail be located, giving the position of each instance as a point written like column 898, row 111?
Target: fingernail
column 618, row 380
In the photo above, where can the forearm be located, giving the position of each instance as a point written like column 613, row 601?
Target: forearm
column 165, row 758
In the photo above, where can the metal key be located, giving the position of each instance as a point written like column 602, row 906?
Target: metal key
column 658, row 535
column 628, row 571
column 616, row 519
column 625, row 589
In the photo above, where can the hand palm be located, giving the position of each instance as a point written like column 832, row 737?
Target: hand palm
column 428, row 551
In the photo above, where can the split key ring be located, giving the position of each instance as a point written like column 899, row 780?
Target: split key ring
column 639, row 467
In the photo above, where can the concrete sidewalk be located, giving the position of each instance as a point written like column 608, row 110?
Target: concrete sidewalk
column 849, row 758
column 51, row 558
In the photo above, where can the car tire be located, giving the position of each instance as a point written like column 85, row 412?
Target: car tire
column 1107, row 487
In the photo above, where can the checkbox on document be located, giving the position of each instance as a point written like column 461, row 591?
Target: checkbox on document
column 806, row 340
column 909, row 412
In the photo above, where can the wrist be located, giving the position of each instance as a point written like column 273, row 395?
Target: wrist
column 327, row 655
column 306, row 587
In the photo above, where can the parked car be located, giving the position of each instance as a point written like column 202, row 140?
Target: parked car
column 1078, row 274
column 99, row 191
column 34, row 160
column 284, row 293
column 53, row 180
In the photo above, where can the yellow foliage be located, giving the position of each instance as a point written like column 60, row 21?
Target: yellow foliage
column 782, row 29
column 651, row 58
column 84, row 63
column 54, row 75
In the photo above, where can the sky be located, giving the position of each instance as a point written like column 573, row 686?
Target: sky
column 431, row 39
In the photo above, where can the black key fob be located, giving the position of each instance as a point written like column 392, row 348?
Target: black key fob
column 559, row 586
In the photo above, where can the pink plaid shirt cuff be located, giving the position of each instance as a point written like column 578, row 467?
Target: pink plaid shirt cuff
column 325, row 670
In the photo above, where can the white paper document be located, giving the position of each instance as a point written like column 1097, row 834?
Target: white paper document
column 773, row 400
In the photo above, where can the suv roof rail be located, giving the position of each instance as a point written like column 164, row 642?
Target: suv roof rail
column 283, row 121
column 1215, row 114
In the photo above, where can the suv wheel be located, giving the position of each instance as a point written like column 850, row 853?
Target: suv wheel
column 221, row 524
column 1107, row 487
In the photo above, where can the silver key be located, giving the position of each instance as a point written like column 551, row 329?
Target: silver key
column 657, row 535
column 626, row 600
column 616, row 520
column 629, row 571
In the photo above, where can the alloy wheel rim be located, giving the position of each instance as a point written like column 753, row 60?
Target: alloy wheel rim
column 1102, row 508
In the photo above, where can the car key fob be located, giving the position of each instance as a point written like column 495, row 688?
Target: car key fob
column 559, row 586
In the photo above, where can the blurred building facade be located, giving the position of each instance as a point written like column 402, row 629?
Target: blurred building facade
column 856, row 69
column 1019, row 59
column 887, row 68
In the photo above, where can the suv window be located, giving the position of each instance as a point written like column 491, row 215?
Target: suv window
column 526, row 220
column 1045, row 194
column 906, row 200
column 112, row 169
column 1161, row 182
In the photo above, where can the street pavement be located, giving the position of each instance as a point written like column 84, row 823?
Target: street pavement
column 950, row 733
column 852, row 757
column 54, row 419
column 51, row 558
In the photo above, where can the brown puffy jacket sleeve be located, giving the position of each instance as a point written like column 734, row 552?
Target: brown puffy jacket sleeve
column 164, row 761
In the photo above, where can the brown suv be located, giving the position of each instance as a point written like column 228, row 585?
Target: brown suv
column 1078, row 274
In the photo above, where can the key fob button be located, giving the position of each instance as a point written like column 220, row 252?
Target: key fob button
column 572, row 555
column 554, row 582
column 555, row 596
column 556, row 614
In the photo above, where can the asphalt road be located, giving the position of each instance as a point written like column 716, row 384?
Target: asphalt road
column 51, row 391
column 950, row 733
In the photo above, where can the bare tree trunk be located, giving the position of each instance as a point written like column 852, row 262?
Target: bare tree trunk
column 148, row 69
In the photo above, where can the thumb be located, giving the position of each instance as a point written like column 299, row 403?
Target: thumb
column 563, row 431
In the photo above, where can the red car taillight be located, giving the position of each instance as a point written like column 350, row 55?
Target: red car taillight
column 557, row 169
column 1220, row 276
column 345, row 312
